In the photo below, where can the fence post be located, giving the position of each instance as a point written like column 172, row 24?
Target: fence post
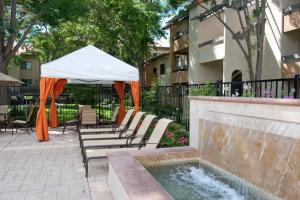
column 296, row 82
column 157, row 100
column 179, row 109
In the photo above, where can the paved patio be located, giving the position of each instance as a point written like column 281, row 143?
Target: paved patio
column 50, row 170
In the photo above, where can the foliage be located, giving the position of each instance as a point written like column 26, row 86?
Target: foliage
column 150, row 98
column 124, row 29
column 208, row 89
column 19, row 19
column 84, row 95
column 248, row 91
column 176, row 135
column 163, row 110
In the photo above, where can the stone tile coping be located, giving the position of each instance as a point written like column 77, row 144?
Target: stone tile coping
column 136, row 180
column 273, row 101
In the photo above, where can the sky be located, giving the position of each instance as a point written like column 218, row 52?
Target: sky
column 165, row 42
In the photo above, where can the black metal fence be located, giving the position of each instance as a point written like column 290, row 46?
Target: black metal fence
column 103, row 98
column 169, row 101
column 173, row 100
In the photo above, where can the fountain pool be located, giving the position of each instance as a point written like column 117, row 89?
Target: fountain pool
column 198, row 181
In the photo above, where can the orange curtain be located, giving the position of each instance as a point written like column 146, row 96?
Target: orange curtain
column 46, row 85
column 135, row 91
column 56, row 90
column 120, row 88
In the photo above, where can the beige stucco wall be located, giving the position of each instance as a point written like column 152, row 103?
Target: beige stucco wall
column 261, row 137
column 164, row 79
column 33, row 74
column 202, row 65
column 234, row 58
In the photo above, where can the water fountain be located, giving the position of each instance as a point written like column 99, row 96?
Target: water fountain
column 245, row 148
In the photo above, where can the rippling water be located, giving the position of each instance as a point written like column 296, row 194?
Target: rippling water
column 190, row 182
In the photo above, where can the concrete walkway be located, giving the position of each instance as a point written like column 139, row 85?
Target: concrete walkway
column 49, row 170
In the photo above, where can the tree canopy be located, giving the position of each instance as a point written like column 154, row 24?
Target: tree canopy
column 19, row 19
column 122, row 28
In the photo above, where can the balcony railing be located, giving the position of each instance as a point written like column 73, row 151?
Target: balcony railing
column 182, row 42
column 212, row 50
column 291, row 18
column 180, row 77
column 215, row 41
column 291, row 65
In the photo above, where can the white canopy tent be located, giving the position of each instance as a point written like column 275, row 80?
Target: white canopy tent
column 87, row 65
column 90, row 65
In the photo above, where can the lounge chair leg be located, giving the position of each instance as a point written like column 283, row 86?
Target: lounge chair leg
column 64, row 129
column 86, row 165
column 27, row 130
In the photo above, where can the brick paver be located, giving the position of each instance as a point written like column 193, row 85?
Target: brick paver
column 49, row 170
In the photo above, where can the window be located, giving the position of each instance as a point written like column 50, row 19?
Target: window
column 181, row 62
column 162, row 68
column 154, row 70
column 28, row 82
column 27, row 65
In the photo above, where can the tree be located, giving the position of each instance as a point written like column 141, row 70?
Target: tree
column 19, row 19
column 124, row 29
column 248, row 26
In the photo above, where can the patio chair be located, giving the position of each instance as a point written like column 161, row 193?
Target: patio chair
column 4, row 117
column 130, row 137
column 88, row 117
column 118, row 129
column 83, row 107
column 21, row 123
column 73, row 122
column 116, row 135
column 112, row 121
column 152, row 143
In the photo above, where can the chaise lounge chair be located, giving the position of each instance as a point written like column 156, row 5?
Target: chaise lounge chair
column 127, row 132
column 112, row 121
column 131, row 139
column 109, row 130
column 152, row 143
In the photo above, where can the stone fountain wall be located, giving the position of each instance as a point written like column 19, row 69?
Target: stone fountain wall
column 255, row 139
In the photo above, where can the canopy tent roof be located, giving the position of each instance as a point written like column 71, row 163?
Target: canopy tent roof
column 8, row 80
column 90, row 65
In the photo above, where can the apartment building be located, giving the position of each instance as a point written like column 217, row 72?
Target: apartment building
column 215, row 55
column 26, row 69
column 202, row 49
column 156, row 67
column 171, row 67
column 179, row 48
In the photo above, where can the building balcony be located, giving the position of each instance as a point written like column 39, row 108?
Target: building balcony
column 291, row 65
column 291, row 18
column 212, row 50
column 180, row 77
column 181, row 43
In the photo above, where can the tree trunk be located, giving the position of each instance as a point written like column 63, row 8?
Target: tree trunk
column 2, row 65
column 260, row 40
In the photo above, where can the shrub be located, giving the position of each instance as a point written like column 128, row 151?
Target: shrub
column 149, row 98
column 175, row 136
column 208, row 89
column 84, row 95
